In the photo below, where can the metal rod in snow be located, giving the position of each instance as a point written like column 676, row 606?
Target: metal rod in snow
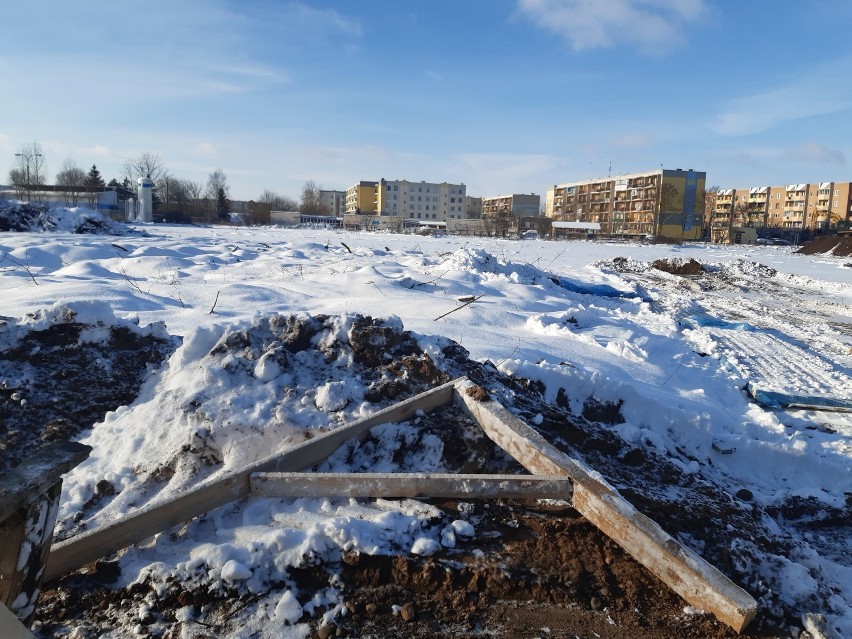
column 469, row 302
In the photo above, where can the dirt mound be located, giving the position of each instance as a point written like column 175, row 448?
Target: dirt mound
column 58, row 380
column 27, row 217
column 531, row 568
column 677, row 266
column 839, row 245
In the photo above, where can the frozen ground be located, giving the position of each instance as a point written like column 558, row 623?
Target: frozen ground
column 585, row 319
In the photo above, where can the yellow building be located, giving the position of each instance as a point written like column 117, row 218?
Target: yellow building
column 362, row 198
column 662, row 202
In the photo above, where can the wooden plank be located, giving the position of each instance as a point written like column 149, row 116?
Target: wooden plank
column 391, row 485
column 34, row 476
column 24, row 548
column 12, row 626
column 690, row 576
column 79, row 550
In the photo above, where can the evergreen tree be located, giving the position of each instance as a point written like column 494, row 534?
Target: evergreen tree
column 222, row 205
column 93, row 183
column 94, row 178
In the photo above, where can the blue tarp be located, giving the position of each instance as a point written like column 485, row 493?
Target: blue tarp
column 601, row 290
column 777, row 400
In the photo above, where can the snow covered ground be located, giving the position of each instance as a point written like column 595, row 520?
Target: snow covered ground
column 591, row 318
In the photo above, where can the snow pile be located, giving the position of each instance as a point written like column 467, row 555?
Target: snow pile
column 484, row 265
column 231, row 395
column 26, row 217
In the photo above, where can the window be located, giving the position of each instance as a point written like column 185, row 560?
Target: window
column 836, row 203
column 836, row 192
column 395, row 187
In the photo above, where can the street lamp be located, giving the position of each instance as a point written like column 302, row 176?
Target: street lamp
column 27, row 157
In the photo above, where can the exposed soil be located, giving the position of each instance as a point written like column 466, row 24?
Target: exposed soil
column 532, row 570
column 679, row 267
column 55, row 384
column 839, row 245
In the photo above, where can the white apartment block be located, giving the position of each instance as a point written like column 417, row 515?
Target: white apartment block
column 426, row 201
column 333, row 202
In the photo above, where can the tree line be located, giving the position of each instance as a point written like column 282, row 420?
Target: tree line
column 175, row 199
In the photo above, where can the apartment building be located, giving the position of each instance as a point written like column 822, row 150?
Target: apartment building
column 664, row 202
column 425, row 201
column 333, row 202
column 361, row 198
column 472, row 207
column 792, row 206
column 515, row 205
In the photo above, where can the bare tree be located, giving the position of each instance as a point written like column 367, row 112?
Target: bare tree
column 277, row 202
column 310, row 198
column 72, row 178
column 145, row 165
column 710, row 196
column 217, row 192
column 269, row 201
column 216, row 181
column 18, row 179
column 187, row 196
column 30, row 172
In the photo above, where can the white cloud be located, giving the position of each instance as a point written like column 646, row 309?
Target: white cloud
column 651, row 25
column 328, row 18
column 760, row 112
column 633, row 140
column 253, row 72
column 794, row 100
column 206, row 149
column 495, row 173
column 814, row 153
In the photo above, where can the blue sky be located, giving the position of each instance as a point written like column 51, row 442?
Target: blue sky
column 505, row 96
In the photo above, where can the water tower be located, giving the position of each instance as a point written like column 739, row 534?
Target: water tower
column 145, row 212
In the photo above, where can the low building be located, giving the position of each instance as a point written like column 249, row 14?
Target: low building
column 372, row 222
column 467, row 226
column 285, row 218
column 575, row 230
column 664, row 202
